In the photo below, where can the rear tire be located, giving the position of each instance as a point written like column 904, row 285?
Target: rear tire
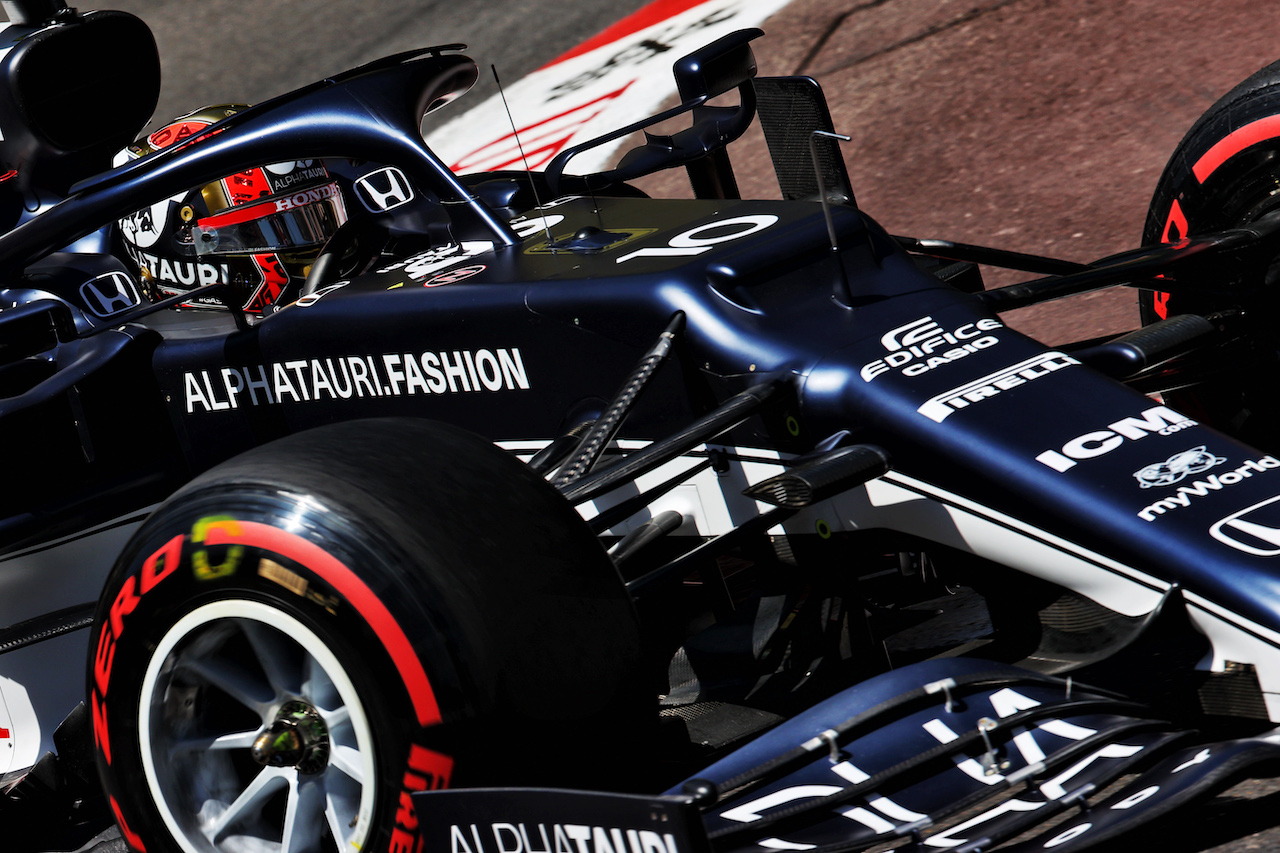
column 1225, row 173
column 302, row 636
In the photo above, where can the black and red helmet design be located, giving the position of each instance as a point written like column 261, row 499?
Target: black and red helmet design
column 258, row 230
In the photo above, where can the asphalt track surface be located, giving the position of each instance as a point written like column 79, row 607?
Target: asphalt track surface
column 1034, row 125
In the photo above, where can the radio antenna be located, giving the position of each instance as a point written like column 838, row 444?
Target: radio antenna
column 845, row 293
column 533, row 184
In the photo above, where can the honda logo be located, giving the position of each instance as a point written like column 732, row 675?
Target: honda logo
column 109, row 294
column 1253, row 530
column 383, row 190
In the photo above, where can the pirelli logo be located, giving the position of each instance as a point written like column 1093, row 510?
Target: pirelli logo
column 939, row 408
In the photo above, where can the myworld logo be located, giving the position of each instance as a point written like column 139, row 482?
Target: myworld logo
column 1209, row 485
column 1254, row 530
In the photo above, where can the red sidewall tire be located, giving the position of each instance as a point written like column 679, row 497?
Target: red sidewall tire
column 1224, row 173
column 443, row 610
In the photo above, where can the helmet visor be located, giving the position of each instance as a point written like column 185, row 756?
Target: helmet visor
column 294, row 220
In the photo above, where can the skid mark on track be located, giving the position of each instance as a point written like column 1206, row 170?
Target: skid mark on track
column 832, row 28
column 928, row 32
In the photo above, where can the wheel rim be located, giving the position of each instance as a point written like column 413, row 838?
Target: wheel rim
column 253, row 738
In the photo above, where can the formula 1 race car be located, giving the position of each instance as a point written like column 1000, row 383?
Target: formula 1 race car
column 518, row 512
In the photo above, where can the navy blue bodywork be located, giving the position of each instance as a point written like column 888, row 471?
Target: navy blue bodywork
column 766, row 305
column 521, row 329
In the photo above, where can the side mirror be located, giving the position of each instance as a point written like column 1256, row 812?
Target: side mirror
column 720, row 66
column 716, row 68
column 73, row 94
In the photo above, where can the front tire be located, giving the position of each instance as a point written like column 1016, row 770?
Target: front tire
column 1224, row 173
column 292, row 678
column 302, row 637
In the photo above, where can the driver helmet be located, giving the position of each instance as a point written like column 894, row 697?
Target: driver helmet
column 259, row 230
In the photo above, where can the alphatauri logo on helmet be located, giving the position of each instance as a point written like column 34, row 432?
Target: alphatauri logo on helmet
column 285, row 175
column 383, row 190
column 143, row 228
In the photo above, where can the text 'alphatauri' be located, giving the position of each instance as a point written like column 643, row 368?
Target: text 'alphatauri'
column 349, row 377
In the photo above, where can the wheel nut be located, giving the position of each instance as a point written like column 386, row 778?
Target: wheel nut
column 297, row 737
column 278, row 746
